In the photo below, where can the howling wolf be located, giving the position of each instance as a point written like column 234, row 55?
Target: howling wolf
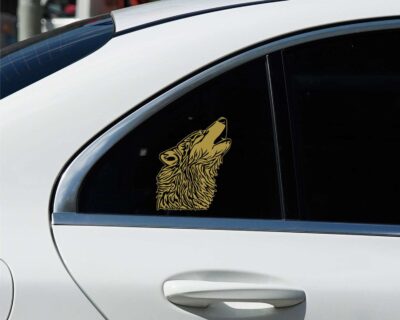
column 187, row 179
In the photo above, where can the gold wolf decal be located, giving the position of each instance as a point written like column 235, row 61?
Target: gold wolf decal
column 187, row 179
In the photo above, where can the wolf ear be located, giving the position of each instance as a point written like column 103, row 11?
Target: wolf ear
column 169, row 157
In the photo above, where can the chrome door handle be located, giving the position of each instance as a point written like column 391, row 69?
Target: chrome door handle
column 197, row 293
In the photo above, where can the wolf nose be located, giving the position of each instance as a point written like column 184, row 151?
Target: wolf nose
column 222, row 120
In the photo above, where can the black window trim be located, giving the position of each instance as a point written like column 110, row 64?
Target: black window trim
column 64, row 208
column 276, row 136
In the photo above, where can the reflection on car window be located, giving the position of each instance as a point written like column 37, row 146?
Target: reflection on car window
column 26, row 62
column 345, row 105
column 208, row 154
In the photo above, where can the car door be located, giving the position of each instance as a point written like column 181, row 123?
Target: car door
column 264, row 187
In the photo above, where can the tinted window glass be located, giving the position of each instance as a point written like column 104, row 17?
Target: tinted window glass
column 26, row 62
column 208, row 154
column 344, row 97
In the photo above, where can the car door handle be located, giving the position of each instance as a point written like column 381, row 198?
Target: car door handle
column 197, row 293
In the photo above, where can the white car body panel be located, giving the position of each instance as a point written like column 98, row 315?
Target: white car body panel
column 150, row 12
column 39, row 134
column 123, row 269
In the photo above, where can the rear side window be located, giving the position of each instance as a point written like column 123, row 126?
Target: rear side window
column 28, row 61
column 344, row 97
column 208, row 154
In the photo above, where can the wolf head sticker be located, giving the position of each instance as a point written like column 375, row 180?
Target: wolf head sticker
column 187, row 181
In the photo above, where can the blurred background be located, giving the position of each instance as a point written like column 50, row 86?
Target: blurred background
column 22, row 19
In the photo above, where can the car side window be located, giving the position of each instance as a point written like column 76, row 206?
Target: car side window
column 208, row 154
column 344, row 97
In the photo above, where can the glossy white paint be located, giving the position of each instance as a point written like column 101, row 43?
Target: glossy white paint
column 150, row 12
column 123, row 269
column 165, row 9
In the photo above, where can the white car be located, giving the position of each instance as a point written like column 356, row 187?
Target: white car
column 216, row 159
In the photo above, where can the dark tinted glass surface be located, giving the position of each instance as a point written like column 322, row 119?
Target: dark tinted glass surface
column 26, row 62
column 226, row 120
column 344, row 96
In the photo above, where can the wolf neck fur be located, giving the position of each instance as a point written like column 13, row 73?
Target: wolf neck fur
column 190, row 188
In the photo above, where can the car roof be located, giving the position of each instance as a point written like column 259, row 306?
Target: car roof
column 138, row 17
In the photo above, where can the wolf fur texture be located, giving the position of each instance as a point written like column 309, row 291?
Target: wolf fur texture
column 187, row 181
